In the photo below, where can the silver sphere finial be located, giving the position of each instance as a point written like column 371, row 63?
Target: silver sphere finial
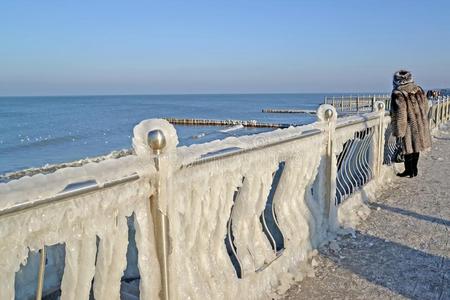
column 156, row 140
column 328, row 114
column 380, row 106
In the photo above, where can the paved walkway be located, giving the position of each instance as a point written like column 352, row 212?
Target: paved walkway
column 402, row 251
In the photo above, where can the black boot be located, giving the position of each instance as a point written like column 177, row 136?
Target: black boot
column 405, row 173
column 408, row 166
column 414, row 162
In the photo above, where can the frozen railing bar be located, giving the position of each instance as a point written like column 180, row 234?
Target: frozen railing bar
column 66, row 195
column 221, row 151
column 78, row 185
column 357, row 121
column 304, row 134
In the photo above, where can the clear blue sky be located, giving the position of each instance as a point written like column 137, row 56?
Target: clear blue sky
column 139, row 47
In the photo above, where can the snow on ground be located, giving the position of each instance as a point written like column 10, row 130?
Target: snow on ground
column 402, row 250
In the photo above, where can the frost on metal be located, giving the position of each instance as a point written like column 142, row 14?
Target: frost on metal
column 80, row 223
column 245, row 213
column 209, row 194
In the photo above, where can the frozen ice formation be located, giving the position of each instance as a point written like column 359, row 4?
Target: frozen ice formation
column 272, row 224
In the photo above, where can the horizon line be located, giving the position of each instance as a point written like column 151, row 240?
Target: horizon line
column 187, row 94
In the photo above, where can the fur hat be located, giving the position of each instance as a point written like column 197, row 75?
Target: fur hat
column 402, row 77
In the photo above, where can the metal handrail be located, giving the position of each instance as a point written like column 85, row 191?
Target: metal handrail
column 66, row 195
column 354, row 122
column 305, row 134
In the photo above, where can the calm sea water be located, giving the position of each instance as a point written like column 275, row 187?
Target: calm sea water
column 35, row 131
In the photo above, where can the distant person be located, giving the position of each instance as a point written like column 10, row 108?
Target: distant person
column 409, row 113
column 430, row 94
column 435, row 94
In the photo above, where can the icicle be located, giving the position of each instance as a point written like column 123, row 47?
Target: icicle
column 79, row 268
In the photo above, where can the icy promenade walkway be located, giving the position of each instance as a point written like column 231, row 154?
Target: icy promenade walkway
column 402, row 250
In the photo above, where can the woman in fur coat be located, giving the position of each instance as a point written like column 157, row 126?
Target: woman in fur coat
column 409, row 113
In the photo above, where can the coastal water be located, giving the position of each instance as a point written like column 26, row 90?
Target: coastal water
column 35, row 131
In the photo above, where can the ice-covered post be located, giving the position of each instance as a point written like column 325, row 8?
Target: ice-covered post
column 327, row 115
column 380, row 138
column 444, row 102
column 438, row 112
column 430, row 113
column 446, row 108
column 157, row 142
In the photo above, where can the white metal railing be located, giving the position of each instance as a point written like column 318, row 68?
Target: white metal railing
column 357, row 104
column 221, row 220
column 439, row 111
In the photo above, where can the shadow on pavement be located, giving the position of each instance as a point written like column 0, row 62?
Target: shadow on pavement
column 411, row 214
column 406, row 271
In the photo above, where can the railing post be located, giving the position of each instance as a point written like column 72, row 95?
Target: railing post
column 438, row 112
column 327, row 115
column 446, row 108
column 380, row 137
column 157, row 142
column 373, row 102
column 442, row 110
column 41, row 273
column 430, row 114
column 434, row 114
column 444, row 102
column 357, row 104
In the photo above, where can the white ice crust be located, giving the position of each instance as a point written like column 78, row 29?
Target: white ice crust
column 198, row 201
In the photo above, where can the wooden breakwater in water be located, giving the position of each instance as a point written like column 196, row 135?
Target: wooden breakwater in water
column 206, row 122
column 289, row 111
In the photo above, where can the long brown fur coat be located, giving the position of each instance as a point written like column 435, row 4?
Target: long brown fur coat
column 409, row 113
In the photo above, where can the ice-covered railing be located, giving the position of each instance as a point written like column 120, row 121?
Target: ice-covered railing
column 69, row 230
column 244, row 213
column 232, row 218
column 439, row 111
